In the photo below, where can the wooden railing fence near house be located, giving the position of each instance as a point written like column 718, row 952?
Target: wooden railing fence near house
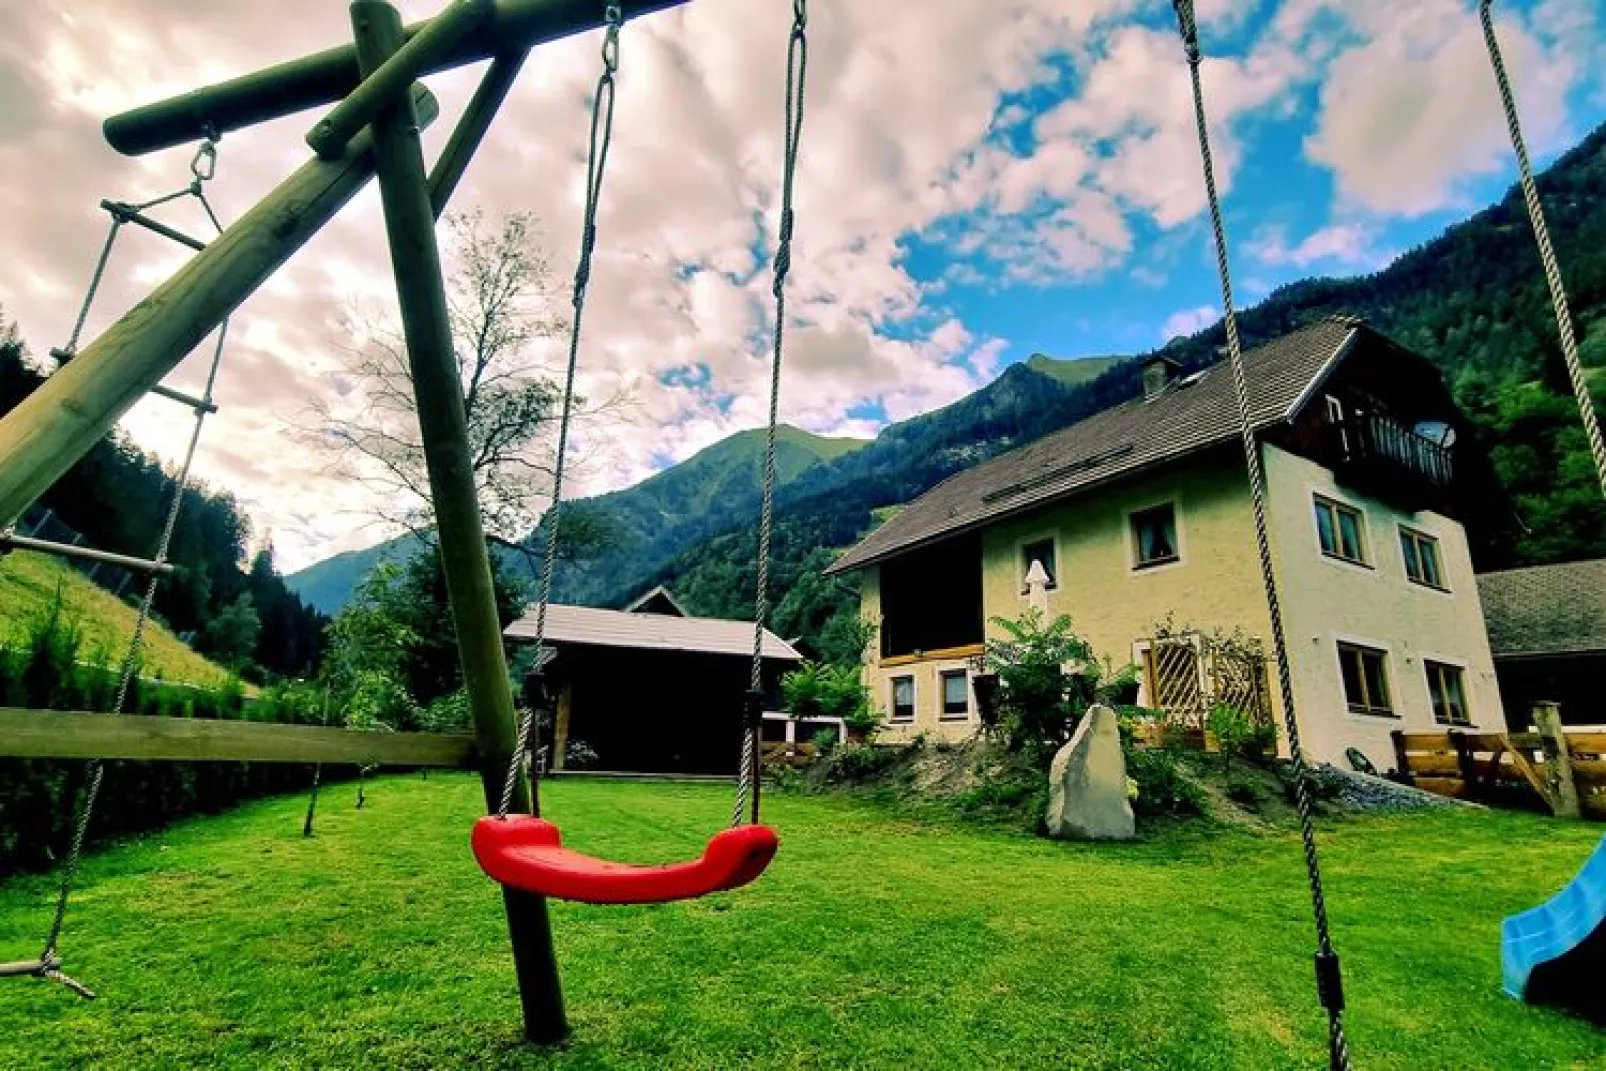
column 1566, row 770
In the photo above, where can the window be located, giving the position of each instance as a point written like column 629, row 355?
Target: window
column 955, row 695
column 1448, row 694
column 1341, row 531
column 1366, row 681
column 1422, row 559
column 903, row 699
column 1154, row 535
column 1039, row 550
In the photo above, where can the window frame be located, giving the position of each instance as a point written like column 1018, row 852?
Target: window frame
column 1417, row 538
column 1022, row 565
column 1135, row 538
column 1336, row 508
column 892, row 705
column 1366, row 709
column 1429, row 666
column 945, row 713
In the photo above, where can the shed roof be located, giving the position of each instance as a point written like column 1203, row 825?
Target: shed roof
column 1545, row 609
column 1192, row 413
column 655, row 632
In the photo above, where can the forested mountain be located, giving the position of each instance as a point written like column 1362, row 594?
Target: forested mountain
column 239, row 610
column 644, row 526
column 1472, row 300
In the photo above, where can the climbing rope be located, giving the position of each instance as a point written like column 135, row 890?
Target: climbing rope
column 797, row 60
column 596, row 162
column 202, row 168
column 1547, row 254
column 1328, row 978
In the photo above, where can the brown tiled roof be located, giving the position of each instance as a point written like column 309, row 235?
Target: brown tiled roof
column 1192, row 413
column 1545, row 609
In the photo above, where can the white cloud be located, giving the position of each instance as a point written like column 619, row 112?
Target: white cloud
column 1188, row 321
column 1408, row 115
column 1346, row 245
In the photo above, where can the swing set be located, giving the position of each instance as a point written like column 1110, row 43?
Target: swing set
column 371, row 131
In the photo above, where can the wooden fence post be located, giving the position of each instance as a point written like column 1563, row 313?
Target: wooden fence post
column 1463, row 758
column 1401, row 760
column 1558, row 759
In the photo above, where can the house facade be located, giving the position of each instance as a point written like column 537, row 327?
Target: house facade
column 1140, row 521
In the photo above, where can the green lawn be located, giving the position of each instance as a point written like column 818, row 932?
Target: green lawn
column 872, row 942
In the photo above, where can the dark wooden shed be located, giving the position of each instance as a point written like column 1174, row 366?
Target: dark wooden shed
column 650, row 689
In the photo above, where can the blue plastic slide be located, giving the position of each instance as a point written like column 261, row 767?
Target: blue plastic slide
column 1556, row 953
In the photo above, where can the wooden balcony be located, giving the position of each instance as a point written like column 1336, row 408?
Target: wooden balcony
column 1383, row 457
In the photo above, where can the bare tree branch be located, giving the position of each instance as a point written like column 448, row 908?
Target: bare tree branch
column 501, row 307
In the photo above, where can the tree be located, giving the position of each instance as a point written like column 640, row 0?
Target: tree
column 501, row 309
column 231, row 635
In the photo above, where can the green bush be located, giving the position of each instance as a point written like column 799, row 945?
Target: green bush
column 1239, row 734
column 1162, row 788
column 38, row 796
column 816, row 690
column 1322, row 783
column 859, row 762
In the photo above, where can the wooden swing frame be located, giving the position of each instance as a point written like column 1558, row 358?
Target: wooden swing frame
column 373, row 131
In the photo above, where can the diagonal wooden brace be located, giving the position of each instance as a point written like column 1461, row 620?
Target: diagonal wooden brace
column 383, row 88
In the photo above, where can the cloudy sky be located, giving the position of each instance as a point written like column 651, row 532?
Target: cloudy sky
column 982, row 180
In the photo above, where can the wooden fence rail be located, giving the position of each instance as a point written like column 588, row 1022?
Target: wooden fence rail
column 1566, row 770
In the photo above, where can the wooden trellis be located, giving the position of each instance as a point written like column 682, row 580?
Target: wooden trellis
column 1188, row 674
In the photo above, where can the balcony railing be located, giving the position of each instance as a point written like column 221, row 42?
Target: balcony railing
column 1381, row 455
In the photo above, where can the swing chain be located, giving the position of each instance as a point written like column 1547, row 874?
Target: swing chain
column 797, row 58
column 1329, row 983
column 602, row 101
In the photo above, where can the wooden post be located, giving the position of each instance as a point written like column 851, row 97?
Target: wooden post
column 1402, row 761
column 1464, row 759
column 560, row 725
column 415, row 259
column 1558, row 759
column 72, row 410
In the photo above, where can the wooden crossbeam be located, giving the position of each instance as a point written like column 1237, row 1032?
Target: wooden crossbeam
column 325, row 77
column 53, row 734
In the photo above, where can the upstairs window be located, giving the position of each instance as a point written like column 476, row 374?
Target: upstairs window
column 1448, row 692
column 1366, row 679
column 1341, row 530
column 1422, row 563
column 903, row 700
column 1039, row 551
column 955, row 695
column 1154, row 536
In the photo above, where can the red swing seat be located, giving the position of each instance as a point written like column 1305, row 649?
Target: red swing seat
column 527, row 853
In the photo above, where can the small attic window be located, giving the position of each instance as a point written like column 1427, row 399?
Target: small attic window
column 1190, row 379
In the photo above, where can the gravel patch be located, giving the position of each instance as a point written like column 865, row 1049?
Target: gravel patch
column 1363, row 792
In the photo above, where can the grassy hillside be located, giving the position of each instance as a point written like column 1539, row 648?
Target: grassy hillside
column 28, row 581
column 1074, row 370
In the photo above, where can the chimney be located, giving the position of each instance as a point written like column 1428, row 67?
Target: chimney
column 1158, row 372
